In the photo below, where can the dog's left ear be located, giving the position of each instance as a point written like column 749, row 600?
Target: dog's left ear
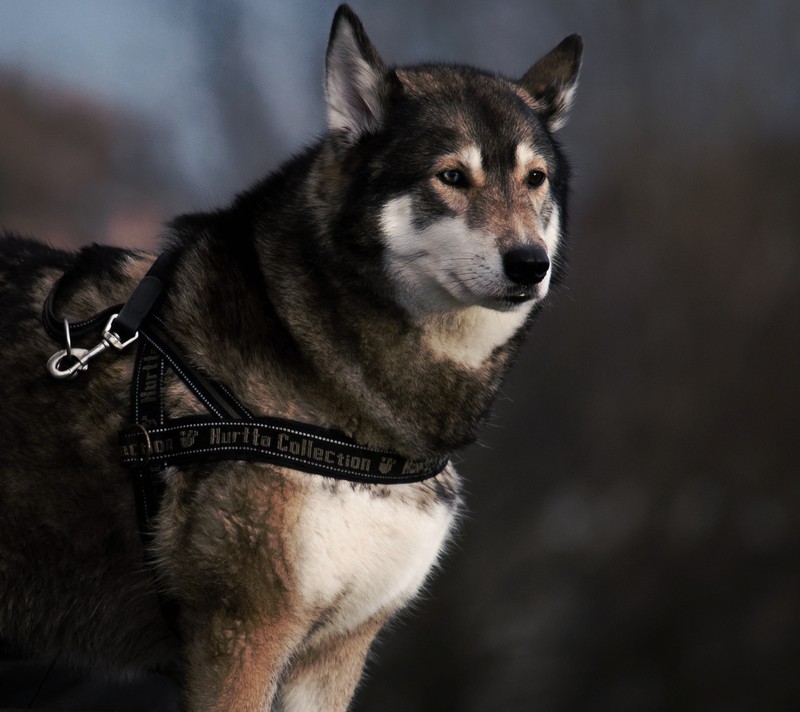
column 553, row 79
column 355, row 80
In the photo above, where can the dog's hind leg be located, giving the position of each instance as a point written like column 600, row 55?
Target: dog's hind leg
column 326, row 674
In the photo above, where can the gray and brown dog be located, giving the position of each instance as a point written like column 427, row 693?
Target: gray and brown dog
column 378, row 284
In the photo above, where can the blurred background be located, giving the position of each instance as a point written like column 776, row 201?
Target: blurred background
column 633, row 541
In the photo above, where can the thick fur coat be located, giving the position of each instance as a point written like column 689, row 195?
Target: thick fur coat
column 379, row 283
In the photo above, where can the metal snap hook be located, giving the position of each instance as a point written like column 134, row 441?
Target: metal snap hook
column 82, row 357
column 56, row 364
column 59, row 364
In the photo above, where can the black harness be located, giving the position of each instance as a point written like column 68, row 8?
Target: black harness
column 155, row 441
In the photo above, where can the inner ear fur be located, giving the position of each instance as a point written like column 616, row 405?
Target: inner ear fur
column 355, row 80
column 553, row 79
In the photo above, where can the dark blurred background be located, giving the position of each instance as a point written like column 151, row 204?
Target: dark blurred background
column 633, row 536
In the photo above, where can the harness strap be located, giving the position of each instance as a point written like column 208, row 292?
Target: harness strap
column 230, row 432
column 271, row 440
column 216, row 398
column 233, row 433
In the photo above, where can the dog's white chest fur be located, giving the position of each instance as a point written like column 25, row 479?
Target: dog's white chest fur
column 360, row 554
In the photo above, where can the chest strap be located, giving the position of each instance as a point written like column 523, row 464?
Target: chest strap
column 231, row 432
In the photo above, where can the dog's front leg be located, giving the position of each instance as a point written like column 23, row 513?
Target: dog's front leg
column 235, row 667
column 325, row 675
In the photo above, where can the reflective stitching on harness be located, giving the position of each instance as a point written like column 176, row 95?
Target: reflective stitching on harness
column 186, row 379
column 161, row 373
column 401, row 479
column 143, row 498
column 284, row 429
column 234, row 399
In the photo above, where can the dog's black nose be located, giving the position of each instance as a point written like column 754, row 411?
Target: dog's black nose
column 526, row 265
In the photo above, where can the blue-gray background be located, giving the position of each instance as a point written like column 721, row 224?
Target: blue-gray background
column 633, row 535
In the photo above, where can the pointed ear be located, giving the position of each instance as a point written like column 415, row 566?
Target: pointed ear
column 355, row 78
column 553, row 79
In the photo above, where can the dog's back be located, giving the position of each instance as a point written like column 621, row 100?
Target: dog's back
column 70, row 555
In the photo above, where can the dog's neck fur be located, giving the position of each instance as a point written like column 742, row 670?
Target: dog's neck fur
column 311, row 339
column 320, row 334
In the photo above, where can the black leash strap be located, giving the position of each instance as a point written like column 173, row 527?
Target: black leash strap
column 121, row 329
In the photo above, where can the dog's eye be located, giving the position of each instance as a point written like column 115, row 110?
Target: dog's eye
column 535, row 179
column 454, row 178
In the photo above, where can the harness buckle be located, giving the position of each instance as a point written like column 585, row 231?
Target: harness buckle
column 57, row 363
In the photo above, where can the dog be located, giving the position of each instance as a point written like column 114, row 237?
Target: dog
column 377, row 285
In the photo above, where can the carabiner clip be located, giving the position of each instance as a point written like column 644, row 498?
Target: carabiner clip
column 81, row 357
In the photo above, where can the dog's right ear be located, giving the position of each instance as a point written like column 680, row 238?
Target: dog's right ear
column 553, row 79
column 355, row 81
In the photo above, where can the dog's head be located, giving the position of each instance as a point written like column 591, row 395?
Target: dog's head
column 462, row 179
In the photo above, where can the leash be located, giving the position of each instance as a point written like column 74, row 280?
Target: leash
column 125, row 318
column 230, row 432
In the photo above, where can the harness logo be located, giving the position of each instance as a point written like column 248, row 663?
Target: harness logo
column 386, row 464
column 239, row 436
column 188, row 437
column 150, row 366
column 189, row 441
column 297, row 447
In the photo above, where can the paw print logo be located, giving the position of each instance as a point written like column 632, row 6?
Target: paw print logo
column 385, row 465
column 188, row 437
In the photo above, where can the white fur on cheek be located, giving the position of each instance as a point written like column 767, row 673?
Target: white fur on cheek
column 443, row 273
column 413, row 260
column 442, row 267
